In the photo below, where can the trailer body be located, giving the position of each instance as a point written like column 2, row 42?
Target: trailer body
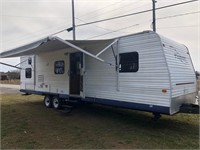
column 143, row 71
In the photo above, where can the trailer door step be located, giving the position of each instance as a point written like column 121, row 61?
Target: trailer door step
column 189, row 108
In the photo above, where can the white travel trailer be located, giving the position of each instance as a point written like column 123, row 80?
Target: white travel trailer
column 143, row 71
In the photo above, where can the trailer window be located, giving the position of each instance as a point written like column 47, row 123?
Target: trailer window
column 59, row 67
column 128, row 62
column 28, row 72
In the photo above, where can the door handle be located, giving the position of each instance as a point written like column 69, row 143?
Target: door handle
column 69, row 72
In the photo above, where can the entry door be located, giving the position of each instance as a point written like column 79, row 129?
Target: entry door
column 76, row 78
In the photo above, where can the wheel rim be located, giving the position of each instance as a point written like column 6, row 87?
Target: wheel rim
column 47, row 101
column 55, row 102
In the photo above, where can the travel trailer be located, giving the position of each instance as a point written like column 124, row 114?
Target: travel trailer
column 143, row 71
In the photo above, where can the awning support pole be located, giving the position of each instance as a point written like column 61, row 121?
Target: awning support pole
column 103, row 50
column 117, row 66
column 84, row 51
column 10, row 65
column 78, row 48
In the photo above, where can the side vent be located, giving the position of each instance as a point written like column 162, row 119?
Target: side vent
column 40, row 78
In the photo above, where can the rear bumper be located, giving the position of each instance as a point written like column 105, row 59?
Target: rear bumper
column 177, row 102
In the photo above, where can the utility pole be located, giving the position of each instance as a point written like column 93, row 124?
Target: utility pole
column 73, row 21
column 154, row 15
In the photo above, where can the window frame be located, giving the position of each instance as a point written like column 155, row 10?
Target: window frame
column 28, row 76
column 60, row 67
column 134, row 61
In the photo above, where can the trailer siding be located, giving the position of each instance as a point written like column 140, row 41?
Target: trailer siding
column 51, row 82
column 182, row 73
column 27, row 83
column 144, row 86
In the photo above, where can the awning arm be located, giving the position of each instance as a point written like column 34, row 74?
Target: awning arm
column 103, row 50
column 10, row 65
column 78, row 48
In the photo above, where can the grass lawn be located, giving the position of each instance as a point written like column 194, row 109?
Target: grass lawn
column 26, row 123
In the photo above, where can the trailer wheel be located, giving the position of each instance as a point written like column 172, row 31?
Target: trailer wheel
column 57, row 102
column 48, row 101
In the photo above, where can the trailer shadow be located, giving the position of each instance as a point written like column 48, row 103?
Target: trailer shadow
column 134, row 117
column 125, row 116
column 120, row 116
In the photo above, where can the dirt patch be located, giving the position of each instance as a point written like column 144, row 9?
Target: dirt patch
column 9, row 89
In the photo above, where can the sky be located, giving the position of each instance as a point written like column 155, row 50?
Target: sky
column 25, row 21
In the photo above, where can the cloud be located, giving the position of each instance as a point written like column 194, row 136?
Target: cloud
column 26, row 21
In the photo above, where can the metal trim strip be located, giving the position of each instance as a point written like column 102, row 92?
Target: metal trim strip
column 185, row 83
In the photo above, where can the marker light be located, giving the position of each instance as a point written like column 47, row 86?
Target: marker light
column 164, row 90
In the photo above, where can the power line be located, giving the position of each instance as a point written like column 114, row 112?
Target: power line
column 179, row 27
column 101, row 8
column 138, row 7
column 95, row 25
column 184, row 14
column 136, row 13
column 190, row 13
column 112, row 31
column 138, row 24
column 166, row 17
column 114, row 9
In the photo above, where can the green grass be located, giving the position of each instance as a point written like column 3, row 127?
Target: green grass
column 27, row 124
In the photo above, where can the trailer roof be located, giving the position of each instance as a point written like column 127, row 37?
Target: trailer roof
column 50, row 44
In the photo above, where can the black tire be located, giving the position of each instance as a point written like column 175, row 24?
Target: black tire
column 48, row 101
column 57, row 102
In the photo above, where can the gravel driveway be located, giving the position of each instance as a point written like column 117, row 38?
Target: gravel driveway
column 9, row 89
